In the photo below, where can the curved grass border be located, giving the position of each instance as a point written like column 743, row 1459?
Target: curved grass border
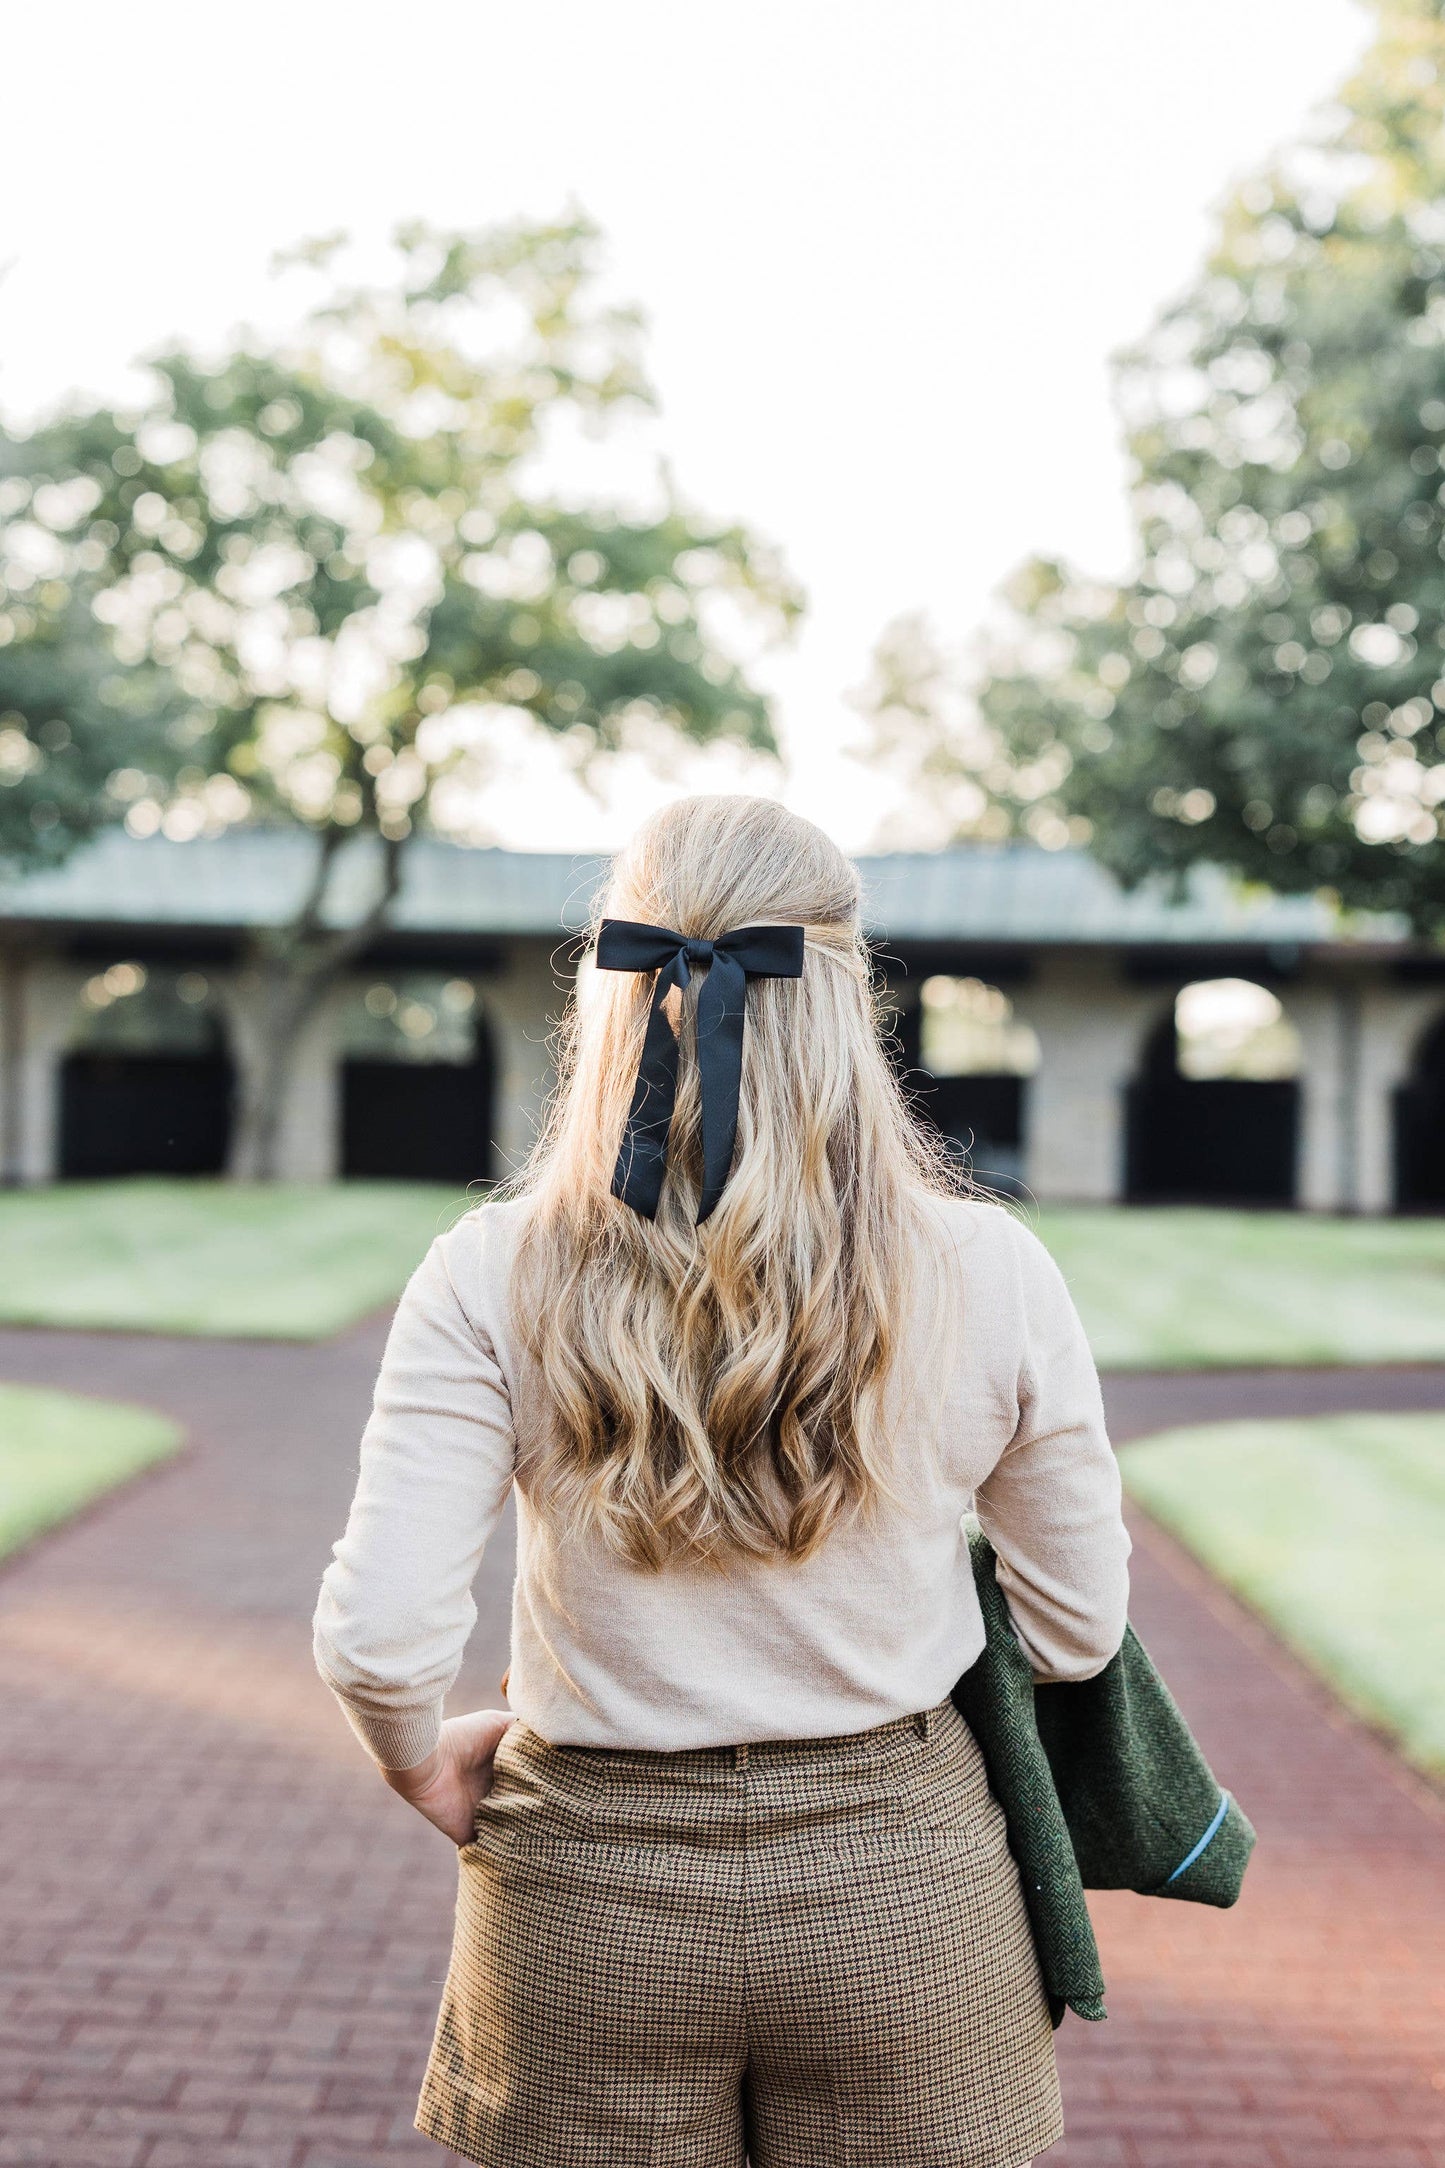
column 1331, row 1528
column 213, row 1259
column 59, row 1452
column 1195, row 1287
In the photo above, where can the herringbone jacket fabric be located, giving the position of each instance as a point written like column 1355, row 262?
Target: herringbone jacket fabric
column 1102, row 1787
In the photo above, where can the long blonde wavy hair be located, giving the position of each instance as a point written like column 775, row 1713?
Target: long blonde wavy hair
column 720, row 1390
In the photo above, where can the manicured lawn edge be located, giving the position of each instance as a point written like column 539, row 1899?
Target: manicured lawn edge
column 61, row 1453
column 285, row 1261
column 1328, row 1531
column 1195, row 1288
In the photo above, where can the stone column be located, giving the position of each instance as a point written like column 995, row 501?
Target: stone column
column 1392, row 1021
column 1357, row 1042
column 1091, row 1024
column 1327, row 1015
column 43, row 1016
column 521, row 1007
column 12, row 1038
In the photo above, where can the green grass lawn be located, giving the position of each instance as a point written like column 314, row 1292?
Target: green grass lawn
column 1191, row 1288
column 59, row 1450
column 1333, row 1529
column 289, row 1261
column 1162, row 1289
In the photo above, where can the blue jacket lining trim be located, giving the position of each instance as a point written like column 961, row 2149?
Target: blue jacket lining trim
column 1208, row 1838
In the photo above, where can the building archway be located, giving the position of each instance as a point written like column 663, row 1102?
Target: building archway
column 416, row 1080
column 1420, row 1127
column 1213, row 1114
column 970, row 1073
column 147, row 1086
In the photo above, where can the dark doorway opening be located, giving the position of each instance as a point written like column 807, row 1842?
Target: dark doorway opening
column 1208, row 1139
column 966, row 1060
column 418, row 1122
column 144, row 1114
column 1420, row 1128
column 148, row 1088
column 982, row 1116
column 417, row 1083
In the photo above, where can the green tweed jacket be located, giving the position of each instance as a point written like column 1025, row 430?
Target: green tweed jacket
column 1102, row 1787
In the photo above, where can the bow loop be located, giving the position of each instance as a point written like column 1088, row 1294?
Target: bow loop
column 730, row 960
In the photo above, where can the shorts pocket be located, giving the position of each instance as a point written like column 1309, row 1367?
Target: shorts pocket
column 541, row 1799
column 942, row 1783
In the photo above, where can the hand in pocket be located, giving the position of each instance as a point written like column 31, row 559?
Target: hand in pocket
column 456, row 1777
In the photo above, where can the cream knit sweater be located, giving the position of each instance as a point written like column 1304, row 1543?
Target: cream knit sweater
column 1005, row 1419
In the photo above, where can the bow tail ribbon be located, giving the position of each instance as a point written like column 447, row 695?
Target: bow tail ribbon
column 642, row 1160
column 722, row 1008
column 730, row 960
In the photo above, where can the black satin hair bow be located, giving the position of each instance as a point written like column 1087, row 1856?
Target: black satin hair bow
column 752, row 952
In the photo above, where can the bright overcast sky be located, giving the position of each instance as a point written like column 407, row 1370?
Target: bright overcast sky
column 885, row 252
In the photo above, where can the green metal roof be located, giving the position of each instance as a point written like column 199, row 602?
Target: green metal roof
column 258, row 877
column 1018, row 892
column 974, row 892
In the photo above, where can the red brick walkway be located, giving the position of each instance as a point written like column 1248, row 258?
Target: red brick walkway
column 221, row 1939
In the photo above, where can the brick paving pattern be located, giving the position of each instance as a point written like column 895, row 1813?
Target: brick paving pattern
column 222, row 1940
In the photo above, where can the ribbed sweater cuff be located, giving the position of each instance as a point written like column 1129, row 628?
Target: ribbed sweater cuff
column 401, row 1740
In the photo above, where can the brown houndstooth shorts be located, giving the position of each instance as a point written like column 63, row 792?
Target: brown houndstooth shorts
column 807, row 1954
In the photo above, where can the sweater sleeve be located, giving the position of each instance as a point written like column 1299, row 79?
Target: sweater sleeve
column 1051, row 1506
column 437, row 1454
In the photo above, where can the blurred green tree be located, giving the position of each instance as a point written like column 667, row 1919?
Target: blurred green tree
column 1266, row 692
column 77, row 728
column 349, row 554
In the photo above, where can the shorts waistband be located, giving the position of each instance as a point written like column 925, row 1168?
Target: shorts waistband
column 923, row 1722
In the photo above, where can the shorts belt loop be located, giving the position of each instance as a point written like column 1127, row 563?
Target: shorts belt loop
column 923, row 1723
column 740, row 1756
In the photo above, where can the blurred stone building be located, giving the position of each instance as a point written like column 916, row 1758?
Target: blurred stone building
column 1081, row 1043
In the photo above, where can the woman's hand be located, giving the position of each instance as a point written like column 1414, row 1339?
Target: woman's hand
column 456, row 1777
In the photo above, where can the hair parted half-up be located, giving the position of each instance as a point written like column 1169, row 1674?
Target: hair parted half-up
column 720, row 1390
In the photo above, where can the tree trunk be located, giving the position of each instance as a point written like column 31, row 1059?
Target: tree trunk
column 281, row 1001
column 289, row 970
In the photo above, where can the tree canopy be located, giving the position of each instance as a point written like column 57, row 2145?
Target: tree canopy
column 342, row 552
column 77, row 729
column 328, row 578
column 1267, row 691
